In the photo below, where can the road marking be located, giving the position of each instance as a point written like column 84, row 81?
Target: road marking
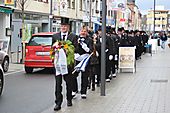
column 13, row 72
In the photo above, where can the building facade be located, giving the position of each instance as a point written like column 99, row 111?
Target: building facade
column 161, row 20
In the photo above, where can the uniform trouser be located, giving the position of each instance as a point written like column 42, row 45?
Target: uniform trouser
column 108, row 68
column 75, row 83
column 58, row 88
column 98, row 71
column 92, row 74
column 113, row 66
column 84, row 80
column 163, row 44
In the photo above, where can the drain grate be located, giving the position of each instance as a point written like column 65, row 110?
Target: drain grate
column 159, row 81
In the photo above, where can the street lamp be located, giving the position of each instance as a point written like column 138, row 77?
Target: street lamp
column 154, row 17
column 103, row 46
column 51, row 16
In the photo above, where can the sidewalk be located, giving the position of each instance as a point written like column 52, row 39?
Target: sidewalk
column 15, row 67
column 146, row 91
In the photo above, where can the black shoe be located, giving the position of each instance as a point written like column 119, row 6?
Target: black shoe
column 69, row 103
column 93, row 87
column 57, row 108
column 98, row 85
column 83, row 96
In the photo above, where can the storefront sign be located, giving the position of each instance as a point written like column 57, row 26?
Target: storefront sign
column 6, row 10
column 9, row 2
column 119, row 4
column 126, row 57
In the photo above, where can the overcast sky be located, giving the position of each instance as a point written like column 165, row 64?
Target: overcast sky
column 144, row 5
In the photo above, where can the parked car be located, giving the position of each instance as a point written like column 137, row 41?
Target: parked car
column 1, row 80
column 4, row 61
column 38, row 52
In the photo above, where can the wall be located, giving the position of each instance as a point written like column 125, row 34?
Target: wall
column 2, row 25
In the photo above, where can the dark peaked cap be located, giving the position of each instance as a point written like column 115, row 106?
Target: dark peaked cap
column 65, row 21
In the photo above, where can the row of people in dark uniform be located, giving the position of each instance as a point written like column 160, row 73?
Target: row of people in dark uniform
column 86, row 43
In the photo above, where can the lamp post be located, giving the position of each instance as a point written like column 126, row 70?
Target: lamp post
column 90, row 14
column 51, row 16
column 103, row 46
column 154, row 18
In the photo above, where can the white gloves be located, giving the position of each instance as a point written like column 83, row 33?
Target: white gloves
column 97, row 54
column 106, row 50
column 110, row 57
column 116, row 57
column 84, row 46
column 76, row 55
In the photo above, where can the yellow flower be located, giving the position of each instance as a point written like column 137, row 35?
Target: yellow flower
column 51, row 52
column 66, row 46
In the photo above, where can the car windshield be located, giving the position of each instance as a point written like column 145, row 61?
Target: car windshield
column 40, row 41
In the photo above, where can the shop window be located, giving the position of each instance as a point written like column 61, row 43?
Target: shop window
column 45, row 1
column 81, row 7
column 68, row 2
column 73, row 4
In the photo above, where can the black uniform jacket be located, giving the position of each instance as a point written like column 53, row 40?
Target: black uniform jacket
column 72, row 37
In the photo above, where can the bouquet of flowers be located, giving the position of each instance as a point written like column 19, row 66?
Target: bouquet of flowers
column 68, row 48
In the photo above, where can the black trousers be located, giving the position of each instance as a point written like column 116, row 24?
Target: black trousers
column 75, row 83
column 58, row 88
column 84, row 81
column 92, row 74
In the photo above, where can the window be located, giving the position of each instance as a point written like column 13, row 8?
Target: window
column 40, row 40
column 108, row 12
column 81, row 5
column 88, row 5
column 112, row 13
column 157, row 18
column 73, row 4
column 163, row 18
column 68, row 2
column 96, row 4
column 157, row 25
column 45, row 1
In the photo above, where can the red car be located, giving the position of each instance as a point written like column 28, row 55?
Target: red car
column 38, row 52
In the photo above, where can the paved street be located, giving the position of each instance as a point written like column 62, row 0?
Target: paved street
column 146, row 91
column 27, row 93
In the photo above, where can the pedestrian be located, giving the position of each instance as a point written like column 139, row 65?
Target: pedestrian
column 110, row 47
column 64, row 35
column 84, row 47
column 94, row 62
column 163, row 38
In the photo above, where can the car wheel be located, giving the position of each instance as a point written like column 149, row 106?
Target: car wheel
column 5, row 64
column 1, row 83
column 28, row 69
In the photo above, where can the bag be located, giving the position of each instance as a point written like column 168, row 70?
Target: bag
column 94, row 60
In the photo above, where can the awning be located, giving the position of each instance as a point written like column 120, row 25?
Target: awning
column 6, row 10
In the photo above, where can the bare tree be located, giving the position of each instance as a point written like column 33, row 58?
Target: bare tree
column 22, row 4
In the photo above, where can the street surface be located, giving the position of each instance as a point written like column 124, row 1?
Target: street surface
column 27, row 93
column 146, row 91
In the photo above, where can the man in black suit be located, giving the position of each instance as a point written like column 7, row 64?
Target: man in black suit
column 64, row 35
